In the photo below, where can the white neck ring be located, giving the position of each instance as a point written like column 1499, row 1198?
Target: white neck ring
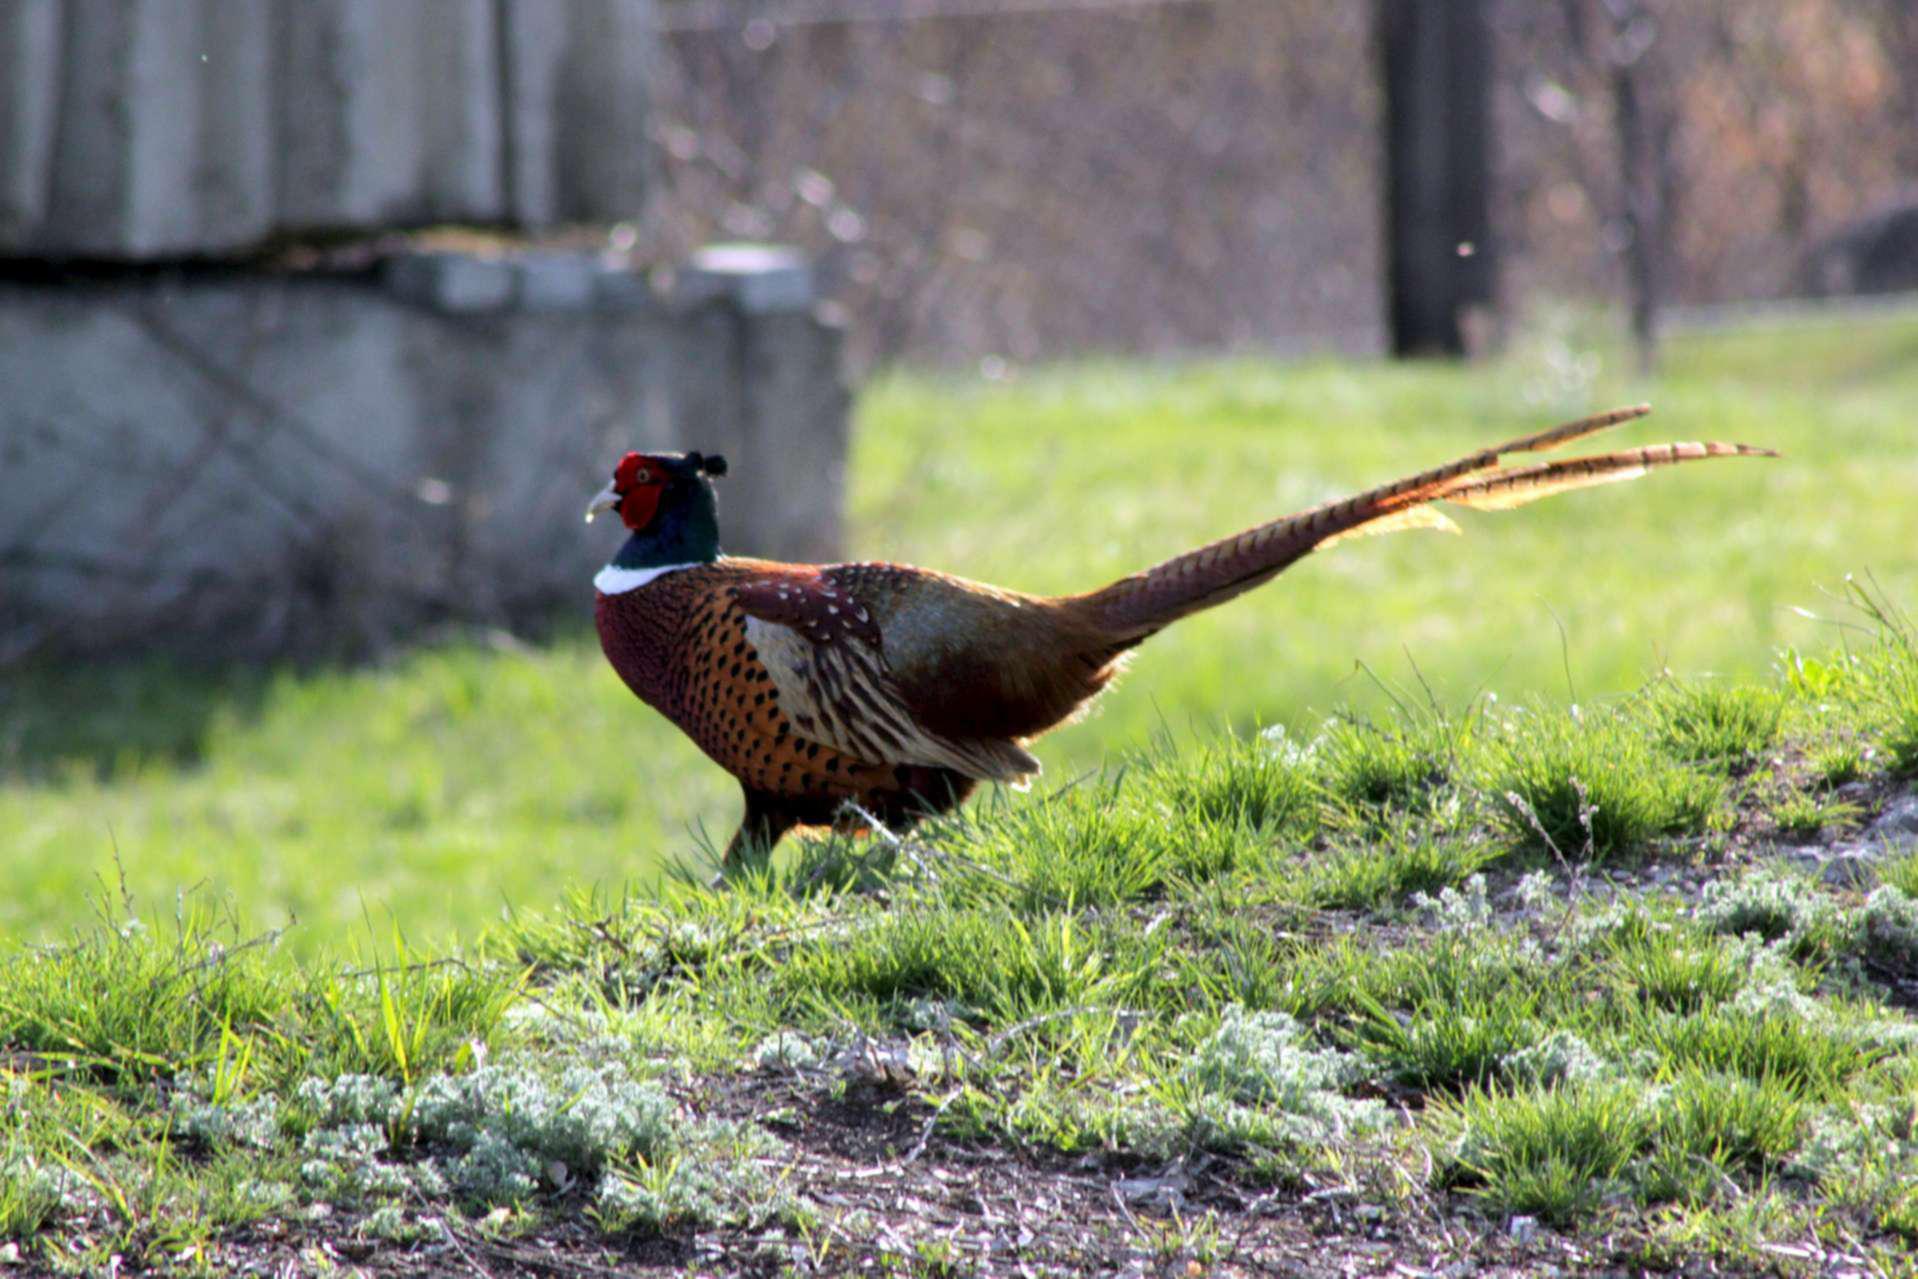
column 613, row 580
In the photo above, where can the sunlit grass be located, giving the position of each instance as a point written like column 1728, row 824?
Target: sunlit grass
column 1073, row 476
column 450, row 783
column 1275, row 960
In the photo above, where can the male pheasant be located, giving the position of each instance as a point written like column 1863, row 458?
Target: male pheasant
column 899, row 689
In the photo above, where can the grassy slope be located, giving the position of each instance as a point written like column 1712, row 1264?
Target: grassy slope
column 455, row 780
column 1396, row 966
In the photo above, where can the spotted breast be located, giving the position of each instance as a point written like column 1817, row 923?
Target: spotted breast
column 778, row 675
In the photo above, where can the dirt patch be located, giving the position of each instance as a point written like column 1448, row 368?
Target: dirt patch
column 892, row 1196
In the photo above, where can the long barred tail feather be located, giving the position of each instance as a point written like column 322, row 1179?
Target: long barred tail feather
column 1134, row 607
column 1507, row 487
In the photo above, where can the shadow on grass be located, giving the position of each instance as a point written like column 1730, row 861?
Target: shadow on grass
column 104, row 716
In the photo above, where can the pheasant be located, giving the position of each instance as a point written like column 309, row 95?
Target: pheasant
column 847, row 693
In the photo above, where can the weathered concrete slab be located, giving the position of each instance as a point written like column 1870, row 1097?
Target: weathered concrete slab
column 29, row 62
column 358, row 83
column 455, row 283
column 459, row 72
column 286, row 462
column 157, row 130
column 760, row 278
column 233, row 186
column 90, row 186
column 576, row 107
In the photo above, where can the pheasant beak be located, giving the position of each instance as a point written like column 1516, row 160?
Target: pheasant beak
column 607, row 500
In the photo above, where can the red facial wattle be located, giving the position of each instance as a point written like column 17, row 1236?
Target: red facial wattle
column 638, row 480
column 639, row 505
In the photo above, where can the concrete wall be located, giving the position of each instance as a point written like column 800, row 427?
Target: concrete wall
column 138, row 129
column 267, row 464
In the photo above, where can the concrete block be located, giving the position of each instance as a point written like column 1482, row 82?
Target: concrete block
column 795, row 410
column 277, row 436
column 157, row 122
column 162, row 146
column 461, row 172
column 352, row 77
column 323, row 48
column 453, row 283
column 533, row 41
column 601, row 107
column 576, row 108
column 232, row 179
column 618, row 287
column 29, row 100
column 161, row 128
column 555, row 281
column 759, row 279
column 89, row 204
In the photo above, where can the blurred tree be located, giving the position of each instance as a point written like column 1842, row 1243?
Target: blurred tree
column 1898, row 25
column 1437, row 63
column 1645, row 174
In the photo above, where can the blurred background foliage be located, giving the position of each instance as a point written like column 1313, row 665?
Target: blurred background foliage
column 1018, row 182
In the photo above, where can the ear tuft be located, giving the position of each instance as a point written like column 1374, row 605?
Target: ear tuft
column 713, row 464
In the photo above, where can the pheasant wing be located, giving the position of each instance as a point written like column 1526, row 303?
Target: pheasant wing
column 826, row 656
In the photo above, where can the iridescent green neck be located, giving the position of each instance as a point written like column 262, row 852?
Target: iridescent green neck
column 686, row 530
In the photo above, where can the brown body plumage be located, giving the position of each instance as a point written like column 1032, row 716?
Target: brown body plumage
column 896, row 689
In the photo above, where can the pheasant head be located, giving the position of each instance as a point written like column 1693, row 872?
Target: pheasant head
column 668, row 503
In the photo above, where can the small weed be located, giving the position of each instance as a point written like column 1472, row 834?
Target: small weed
column 1006, row 965
column 512, row 1128
column 1888, row 927
column 1256, row 1082
column 1901, row 736
column 713, row 1174
column 1085, row 847
column 1717, row 727
column 403, row 1018
column 1403, row 766
column 1561, row 1057
column 1836, row 763
column 1676, row 971
column 1893, row 672
column 31, row 1193
column 1592, row 788
column 1263, row 1059
column 1743, row 1124
column 1463, row 910
column 1445, row 1044
column 1777, row 1045
column 1900, row 872
column 1258, row 783
column 1898, row 1213
column 1381, row 871
column 1803, row 815
column 1555, row 1153
column 125, row 1004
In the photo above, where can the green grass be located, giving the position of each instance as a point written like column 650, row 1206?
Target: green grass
column 1249, row 956
column 1591, row 787
column 445, row 787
